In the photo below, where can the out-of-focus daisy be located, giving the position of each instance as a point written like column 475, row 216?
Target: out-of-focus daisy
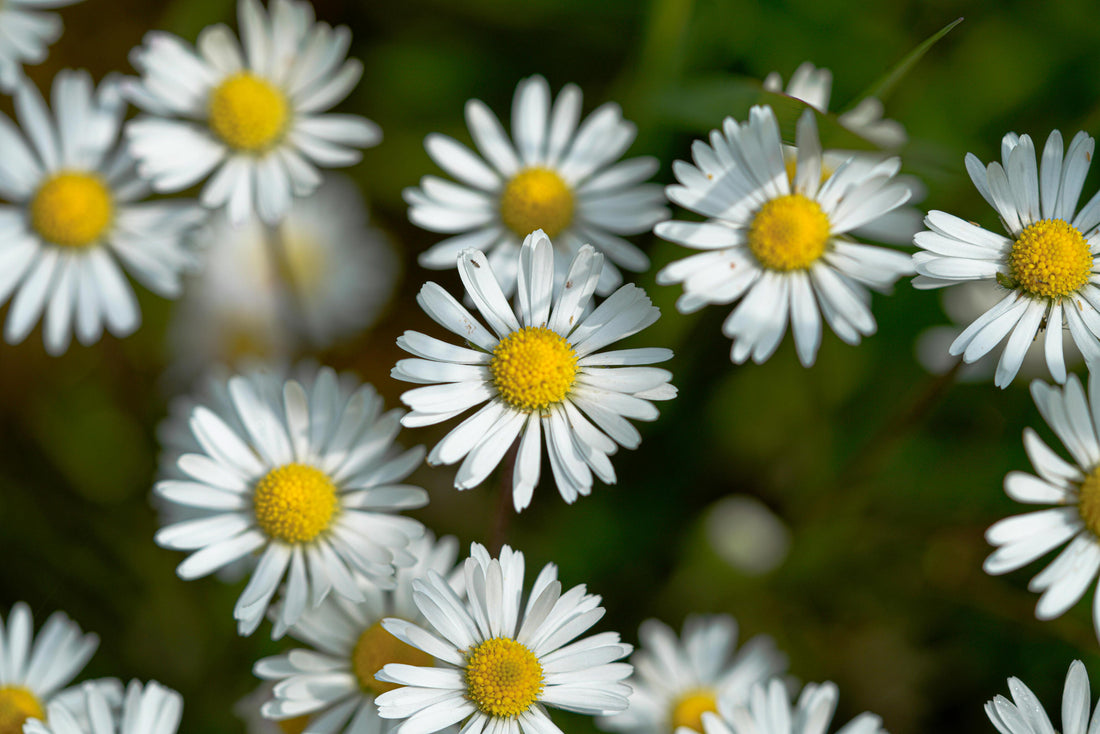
column 253, row 118
column 75, row 222
column 541, row 373
column 677, row 680
column 554, row 176
column 25, row 32
column 304, row 476
column 342, row 271
column 333, row 684
column 1025, row 715
column 747, row 534
column 145, row 709
column 502, row 661
column 1046, row 264
column 769, row 711
column 780, row 246
column 1074, row 488
column 33, row 669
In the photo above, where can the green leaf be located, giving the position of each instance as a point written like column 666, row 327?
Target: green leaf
column 881, row 88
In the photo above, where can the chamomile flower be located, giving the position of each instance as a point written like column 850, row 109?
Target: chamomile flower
column 333, row 683
column 553, row 175
column 75, row 221
column 780, row 247
column 144, row 709
column 34, row 669
column 769, row 711
column 1047, row 263
column 25, row 32
column 541, row 374
column 1025, row 715
column 1073, row 487
column 500, row 661
column 251, row 121
column 305, row 477
column 677, row 680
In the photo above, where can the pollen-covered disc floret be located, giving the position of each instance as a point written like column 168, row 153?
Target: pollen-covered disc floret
column 17, row 704
column 247, row 112
column 789, row 233
column 1050, row 259
column 689, row 708
column 533, row 368
column 536, row 198
column 375, row 648
column 503, row 677
column 71, row 209
column 300, row 475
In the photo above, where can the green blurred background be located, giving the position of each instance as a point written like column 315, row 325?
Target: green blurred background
column 885, row 478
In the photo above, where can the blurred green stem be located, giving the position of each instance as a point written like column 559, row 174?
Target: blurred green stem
column 288, row 297
column 499, row 531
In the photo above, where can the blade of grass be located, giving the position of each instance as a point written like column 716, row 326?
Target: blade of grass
column 886, row 83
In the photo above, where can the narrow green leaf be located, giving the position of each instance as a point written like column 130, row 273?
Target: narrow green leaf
column 881, row 88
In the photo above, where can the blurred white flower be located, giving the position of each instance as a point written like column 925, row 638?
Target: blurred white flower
column 25, row 32
column 746, row 534
column 100, row 709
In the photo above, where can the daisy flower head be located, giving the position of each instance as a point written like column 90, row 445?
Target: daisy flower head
column 251, row 120
column 1074, row 487
column 768, row 710
column 333, row 685
column 778, row 245
column 1025, row 715
column 539, row 372
column 74, row 221
column 25, row 32
column 144, row 709
column 552, row 175
column 1046, row 264
column 677, row 679
column 34, row 669
column 304, row 475
column 500, row 660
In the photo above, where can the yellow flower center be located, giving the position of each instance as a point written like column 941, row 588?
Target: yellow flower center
column 533, row 368
column 17, row 704
column 536, row 198
column 295, row 503
column 789, row 233
column 71, row 209
column 691, row 706
column 1088, row 501
column 294, row 725
column 503, row 677
column 247, row 113
column 1050, row 259
column 376, row 648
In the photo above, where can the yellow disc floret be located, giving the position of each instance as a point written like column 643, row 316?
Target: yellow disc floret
column 689, row 708
column 17, row 704
column 1050, row 259
column 789, row 233
column 375, row 648
column 247, row 113
column 1088, row 501
column 503, row 677
column 294, row 725
column 536, row 198
column 533, row 368
column 295, row 503
column 71, row 209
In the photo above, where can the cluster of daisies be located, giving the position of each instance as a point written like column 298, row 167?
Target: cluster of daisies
column 294, row 477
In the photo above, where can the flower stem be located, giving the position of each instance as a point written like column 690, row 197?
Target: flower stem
column 499, row 531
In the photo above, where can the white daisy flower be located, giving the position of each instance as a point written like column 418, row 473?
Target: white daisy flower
column 304, row 476
column 75, row 222
column 541, row 373
column 342, row 271
column 1073, row 487
column 500, row 661
column 256, row 117
column 778, row 246
column 333, row 684
column 34, row 669
column 1046, row 264
column 1025, row 715
column 555, row 176
column 676, row 680
column 25, row 32
column 145, row 709
column 769, row 711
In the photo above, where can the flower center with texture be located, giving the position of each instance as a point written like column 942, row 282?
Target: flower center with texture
column 295, row 503
column 375, row 648
column 1050, row 259
column 536, row 198
column 690, row 707
column 503, row 677
column 789, row 233
column 71, row 209
column 533, row 368
column 1088, row 501
column 17, row 704
column 247, row 113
